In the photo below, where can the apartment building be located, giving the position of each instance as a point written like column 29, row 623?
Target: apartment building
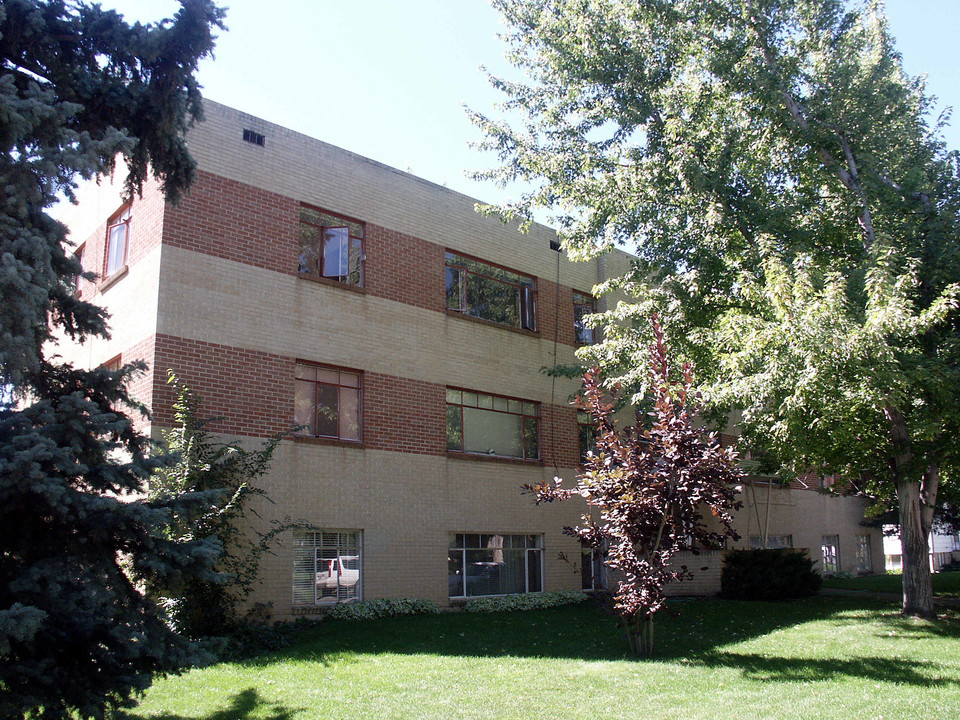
column 402, row 334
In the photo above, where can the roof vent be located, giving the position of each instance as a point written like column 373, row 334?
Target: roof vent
column 555, row 246
column 254, row 138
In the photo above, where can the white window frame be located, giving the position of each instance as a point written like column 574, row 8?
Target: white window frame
column 459, row 544
column 118, row 242
column 311, row 583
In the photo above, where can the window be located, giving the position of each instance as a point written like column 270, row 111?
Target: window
column 593, row 571
column 491, row 425
column 773, row 542
column 331, row 246
column 118, row 236
column 830, row 553
column 327, row 402
column 864, row 556
column 326, row 567
column 583, row 305
column 494, row 564
column 587, row 431
column 490, row 292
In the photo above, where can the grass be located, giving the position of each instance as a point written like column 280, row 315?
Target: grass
column 945, row 584
column 828, row 657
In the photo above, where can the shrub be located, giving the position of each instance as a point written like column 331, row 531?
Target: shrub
column 527, row 601
column 381, row 608
column 780, row 574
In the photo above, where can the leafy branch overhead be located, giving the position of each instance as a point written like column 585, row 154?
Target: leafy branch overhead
column 794, row 213
column 656, row 491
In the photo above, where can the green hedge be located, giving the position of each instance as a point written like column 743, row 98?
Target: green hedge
column 781, row 574
column 381, row 608
column 526, row 601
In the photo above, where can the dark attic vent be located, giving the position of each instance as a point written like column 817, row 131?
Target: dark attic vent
column 254, row 137
column 555, row 246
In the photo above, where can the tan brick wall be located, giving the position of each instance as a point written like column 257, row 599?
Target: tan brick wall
column 220, row 302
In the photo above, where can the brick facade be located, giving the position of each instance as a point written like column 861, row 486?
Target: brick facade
column 212, row 291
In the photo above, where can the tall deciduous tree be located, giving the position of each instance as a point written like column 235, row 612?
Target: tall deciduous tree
column 657, row 491
column 79, row 88
column 793, row 210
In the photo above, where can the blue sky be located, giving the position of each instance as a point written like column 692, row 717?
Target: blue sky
column 389, row 80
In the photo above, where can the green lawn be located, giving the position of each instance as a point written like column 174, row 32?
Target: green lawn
column 947, row 584
column 828, row 657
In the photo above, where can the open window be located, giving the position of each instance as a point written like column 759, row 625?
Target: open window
column 118, row 240
column 331, row 246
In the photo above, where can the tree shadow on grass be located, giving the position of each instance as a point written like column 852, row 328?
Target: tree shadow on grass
column 245, row 704
column 767, row 668
column 688, row 632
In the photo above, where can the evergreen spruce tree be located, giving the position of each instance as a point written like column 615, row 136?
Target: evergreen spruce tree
column 80, row 88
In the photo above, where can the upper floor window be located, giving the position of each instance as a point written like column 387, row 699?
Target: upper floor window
column 118, row 237
column 327, row 402
column 331, row 246
column 583, row 305
column 492, row 425
column 587, row 431
column 490, row 292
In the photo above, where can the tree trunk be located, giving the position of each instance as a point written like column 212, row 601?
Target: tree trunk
column 917, row 499
column 917, row 583
column 640, row 635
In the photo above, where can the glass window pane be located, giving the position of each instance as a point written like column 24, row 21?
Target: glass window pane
column 330, row 377
column 492, row 433
column 116, row 248
column 309, row 215
column 454, row 428
column 327, row 411
column 455, row 573
column 309, row 249
column 303, row 406
column 516, row 407
column 500, row 404
column 481, row 574
column 354, row 264
column 534, row 572
column 306, row 372
column 454, row 289
column 470, row 399
column 493, row 300
column 350, row 414
column 349, row 379
column 530, row 442
column 529, row 408
column 485, row 401
column 453, row 396
column 335, row 252
column 512, row 572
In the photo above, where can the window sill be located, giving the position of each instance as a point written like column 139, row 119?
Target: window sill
column 110, row 281
column 482, row 457
column 311, row 440
column 332, row 283
column 491, row 323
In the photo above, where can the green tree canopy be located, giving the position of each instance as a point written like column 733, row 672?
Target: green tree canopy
column 80, row 88
column 793, row 210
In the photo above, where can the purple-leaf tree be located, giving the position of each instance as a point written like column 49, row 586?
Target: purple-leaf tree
column 655, row 491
